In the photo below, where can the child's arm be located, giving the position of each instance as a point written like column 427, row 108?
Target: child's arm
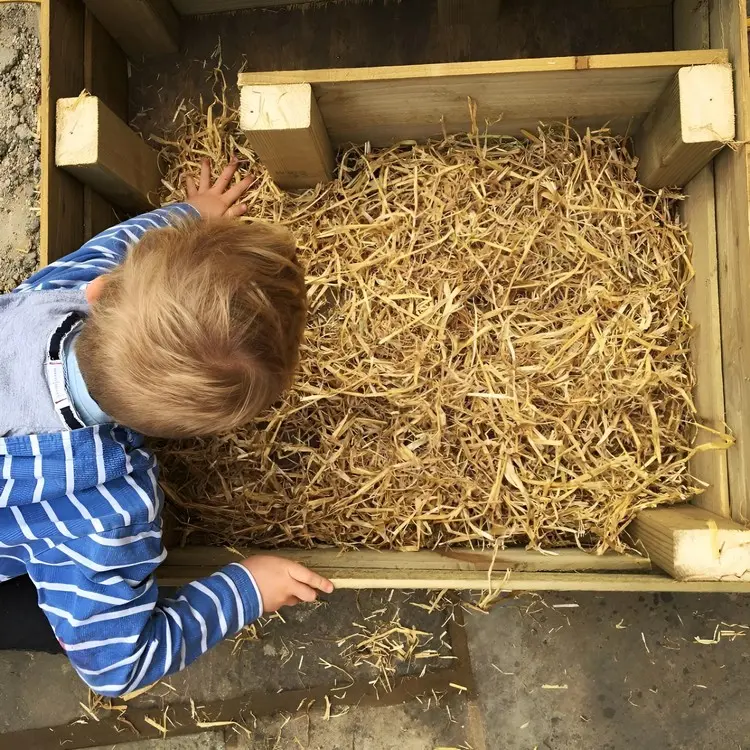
column 100, row 596
column 108, row 249
column 105, row 251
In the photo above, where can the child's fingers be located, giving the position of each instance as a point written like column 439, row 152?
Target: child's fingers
column 225, row 178
column 205, row 183
column 237, row 210
column 304, row 593
column 190, row 187
column 290, row 601
column 310, row 578
column 237, row 191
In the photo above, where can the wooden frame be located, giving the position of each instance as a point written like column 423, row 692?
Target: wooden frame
column 622, row 88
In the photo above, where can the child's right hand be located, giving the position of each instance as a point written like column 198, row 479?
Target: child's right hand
column 283, row 583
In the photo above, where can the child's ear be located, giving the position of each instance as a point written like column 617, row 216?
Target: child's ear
column 95, row 288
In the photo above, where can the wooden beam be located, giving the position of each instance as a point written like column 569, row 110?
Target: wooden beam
column 105, row 67
column 143, row 28
column 389, row 104
column 698, row 213
column 284, row 127
column 105, row 75
column 692, row 120
column 449, row 559
column 61, row 195
column 377, row 578
column 690, row 24
column 692, row 544
column 728, row 30
column 200, row 7
column 103, row 152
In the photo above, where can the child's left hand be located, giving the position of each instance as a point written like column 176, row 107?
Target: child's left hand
column 217, row 200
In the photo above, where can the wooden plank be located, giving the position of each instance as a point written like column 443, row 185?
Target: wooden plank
column 143, row 28
column 449, row 559
column 283, row 126
column 728, row 30
column 690, row 23
column 692, row 544
column 693, row 119
column 200, row 7
column 653, row 60
column 61, row 195
column 377, row 578
column 698, row 213
column 98, row 213
column 105, row 67
column 102, row 151
column 388, row 104
column 105, row 75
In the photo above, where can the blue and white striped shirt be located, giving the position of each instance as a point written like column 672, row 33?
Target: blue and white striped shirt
column 80, row 512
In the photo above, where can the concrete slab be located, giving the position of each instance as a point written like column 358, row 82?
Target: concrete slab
column 618, row 670
column 204, row 741
column 410, row 727
column 38, row 690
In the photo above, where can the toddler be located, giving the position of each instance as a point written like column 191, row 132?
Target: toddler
column 178, row 323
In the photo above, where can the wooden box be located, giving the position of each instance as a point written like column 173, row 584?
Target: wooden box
column 700, row 546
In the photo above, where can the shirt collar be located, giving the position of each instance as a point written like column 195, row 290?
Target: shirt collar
column 87, row 409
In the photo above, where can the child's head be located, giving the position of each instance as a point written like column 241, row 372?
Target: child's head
column 198, row 330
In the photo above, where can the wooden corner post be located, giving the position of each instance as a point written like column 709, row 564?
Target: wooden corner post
column 692, row 544
column 98, row 148
column 692, row 120
column 284, row 127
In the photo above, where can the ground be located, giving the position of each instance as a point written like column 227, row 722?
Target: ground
column 19, row 143
column 558, row 672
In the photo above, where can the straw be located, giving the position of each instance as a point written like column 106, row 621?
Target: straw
column 496, row 350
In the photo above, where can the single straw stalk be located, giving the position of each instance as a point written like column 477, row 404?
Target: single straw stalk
column 496, row 351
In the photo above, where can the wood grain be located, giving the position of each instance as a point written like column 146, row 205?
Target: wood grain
column 283, row 126
column 693, row 544
column 728, row 30
column 692, row 120
column 453, row 559
column 389, row 104
column 61, row 195
column 143, row 28
column 102, row 151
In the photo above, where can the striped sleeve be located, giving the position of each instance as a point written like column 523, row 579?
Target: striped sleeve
column 105, row 251
column 106, row 611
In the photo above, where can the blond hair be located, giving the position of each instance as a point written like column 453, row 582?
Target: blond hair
column 198, row 330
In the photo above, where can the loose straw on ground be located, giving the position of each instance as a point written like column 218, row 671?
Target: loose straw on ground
column 496, row 352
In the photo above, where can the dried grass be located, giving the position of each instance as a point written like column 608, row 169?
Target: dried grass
column 497, row 350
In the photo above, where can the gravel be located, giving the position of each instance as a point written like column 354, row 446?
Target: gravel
column 20, row 166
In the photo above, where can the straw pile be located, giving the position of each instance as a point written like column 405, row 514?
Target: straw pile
column 496, row 350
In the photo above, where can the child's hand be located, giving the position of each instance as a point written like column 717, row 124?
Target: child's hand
column 283, row 583
column 216, row 201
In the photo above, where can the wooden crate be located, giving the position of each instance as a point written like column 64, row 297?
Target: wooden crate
column 699, row 546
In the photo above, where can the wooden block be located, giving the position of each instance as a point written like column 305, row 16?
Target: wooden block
column 104, row 153
column 143, row 28
column 698, row 213
column 692, row 544
column 284, row 127
column 61, row 195
column 693, row 119
column 384, row 105
column 727, row 23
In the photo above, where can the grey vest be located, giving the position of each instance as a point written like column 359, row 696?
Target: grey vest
column 28, row 321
